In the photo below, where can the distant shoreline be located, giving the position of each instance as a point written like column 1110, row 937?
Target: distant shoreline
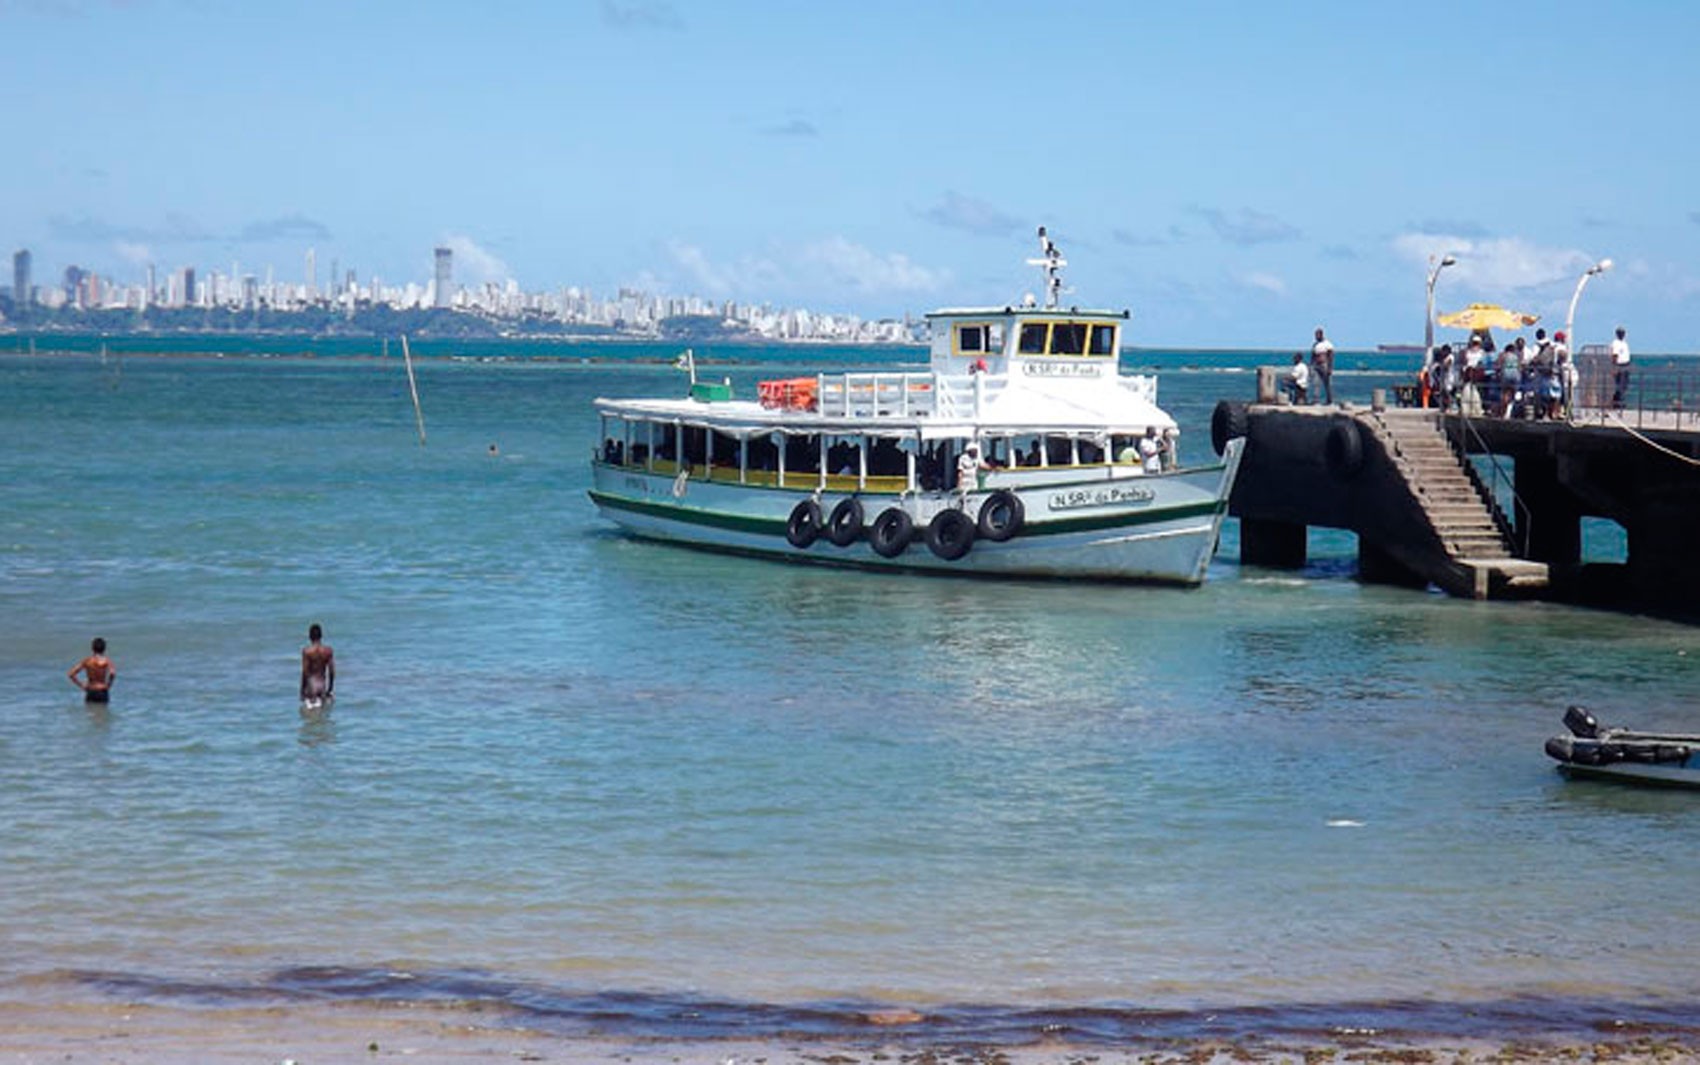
column 561, row 348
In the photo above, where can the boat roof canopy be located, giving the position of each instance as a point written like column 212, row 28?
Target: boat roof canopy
column 1047, row 313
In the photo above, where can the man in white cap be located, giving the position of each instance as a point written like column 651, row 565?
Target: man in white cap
column 968, row 468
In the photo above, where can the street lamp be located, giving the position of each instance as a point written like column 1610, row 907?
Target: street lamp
column 1570, row 318
column 1428, row 323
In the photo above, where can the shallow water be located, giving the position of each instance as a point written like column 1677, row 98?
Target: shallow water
column 567, row 770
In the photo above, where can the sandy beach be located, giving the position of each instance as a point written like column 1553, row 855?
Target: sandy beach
column 131, row 1034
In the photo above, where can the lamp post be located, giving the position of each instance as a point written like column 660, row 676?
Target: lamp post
column 1428, row 322
column 1582, row 282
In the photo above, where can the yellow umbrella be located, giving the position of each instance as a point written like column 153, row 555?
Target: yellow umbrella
column 1480, row 316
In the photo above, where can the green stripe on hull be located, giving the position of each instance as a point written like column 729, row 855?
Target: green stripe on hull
column 713, row 519
column 776, row 526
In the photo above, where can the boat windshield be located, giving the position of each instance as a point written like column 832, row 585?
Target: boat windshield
column 1066, row 338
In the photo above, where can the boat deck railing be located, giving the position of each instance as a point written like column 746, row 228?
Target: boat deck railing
column 884, row 395
column 877, row 395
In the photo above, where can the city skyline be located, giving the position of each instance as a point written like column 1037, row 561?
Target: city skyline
column 1233, row 174
column 628, row 311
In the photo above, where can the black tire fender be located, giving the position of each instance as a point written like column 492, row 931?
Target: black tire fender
column 1343, row 449
column 950, row 534
column 1001, row 516
column 891, row 532
column 1229, row 421
column 844, row 524
column 804, row 526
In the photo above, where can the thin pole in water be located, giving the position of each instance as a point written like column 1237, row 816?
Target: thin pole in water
column 413, row 387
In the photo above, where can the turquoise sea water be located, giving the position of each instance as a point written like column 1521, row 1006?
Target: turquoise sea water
column 616, row 785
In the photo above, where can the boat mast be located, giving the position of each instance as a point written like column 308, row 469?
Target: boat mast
column 1051, row 262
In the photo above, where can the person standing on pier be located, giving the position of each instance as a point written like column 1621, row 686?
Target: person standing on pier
column 1619, row 370
column 1322, row 361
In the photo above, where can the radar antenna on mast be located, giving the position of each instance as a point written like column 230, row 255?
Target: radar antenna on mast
column 1052, row 263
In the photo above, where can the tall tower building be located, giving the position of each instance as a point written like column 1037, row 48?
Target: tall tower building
column 21, row 280
column 188, row 286
column 312, row 274
column 445, row 271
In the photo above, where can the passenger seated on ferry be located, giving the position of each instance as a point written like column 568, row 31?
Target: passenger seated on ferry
column 1090, row 454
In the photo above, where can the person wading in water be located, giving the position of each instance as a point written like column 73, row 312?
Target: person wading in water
column 318, row 669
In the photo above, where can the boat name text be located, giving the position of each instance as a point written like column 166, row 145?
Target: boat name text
column 1060, row 369
column 1113, row 495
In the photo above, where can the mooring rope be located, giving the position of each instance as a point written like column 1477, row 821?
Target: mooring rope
column 1654, row 444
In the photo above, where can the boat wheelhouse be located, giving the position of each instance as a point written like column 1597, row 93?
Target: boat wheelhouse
column 1021, row 450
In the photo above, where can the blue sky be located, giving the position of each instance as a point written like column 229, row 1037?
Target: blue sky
column 1236, row 174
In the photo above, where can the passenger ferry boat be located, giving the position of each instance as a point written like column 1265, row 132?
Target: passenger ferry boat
column 1017, row 453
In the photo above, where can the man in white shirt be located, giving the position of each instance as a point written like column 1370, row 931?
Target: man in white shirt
column 1619, row 369
column 1151, row 451
column 968, row 467
column 1298, row 381
column 1322, row 361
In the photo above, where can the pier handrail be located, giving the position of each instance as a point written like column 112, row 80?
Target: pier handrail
column 1663, row 393
column 1488, row 491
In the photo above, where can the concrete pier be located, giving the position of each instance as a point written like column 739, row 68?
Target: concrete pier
column 1647, row 479
column 1423, row 515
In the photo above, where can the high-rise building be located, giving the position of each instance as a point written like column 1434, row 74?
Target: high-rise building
column 445, row 270
column 188, row 286
column 152, row 296
column 21, row 280
column 312, row 274
column 74, row 285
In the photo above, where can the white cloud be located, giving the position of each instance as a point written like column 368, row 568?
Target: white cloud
column 1264, row 283
column 694, row 263
column 867, row 271
column 1496, row 267
column 1246, row 226
column 472, row 264
column 133, row 252
column 825, row 269
column 956, row 211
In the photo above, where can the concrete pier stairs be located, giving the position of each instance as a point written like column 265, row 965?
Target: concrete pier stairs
column 1421, row 514
column 1476, row 556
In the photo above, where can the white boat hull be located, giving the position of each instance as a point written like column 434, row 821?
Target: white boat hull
column 1158, row 528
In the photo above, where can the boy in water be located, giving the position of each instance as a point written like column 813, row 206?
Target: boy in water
column 318, row 668
column 98, row 674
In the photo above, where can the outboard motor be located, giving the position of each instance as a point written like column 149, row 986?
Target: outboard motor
column 1581, row 723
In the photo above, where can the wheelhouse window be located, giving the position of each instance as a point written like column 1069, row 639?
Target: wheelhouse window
column 1068, row 338
column 1103, row 340
column 1033, row 336
column 977, row 339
